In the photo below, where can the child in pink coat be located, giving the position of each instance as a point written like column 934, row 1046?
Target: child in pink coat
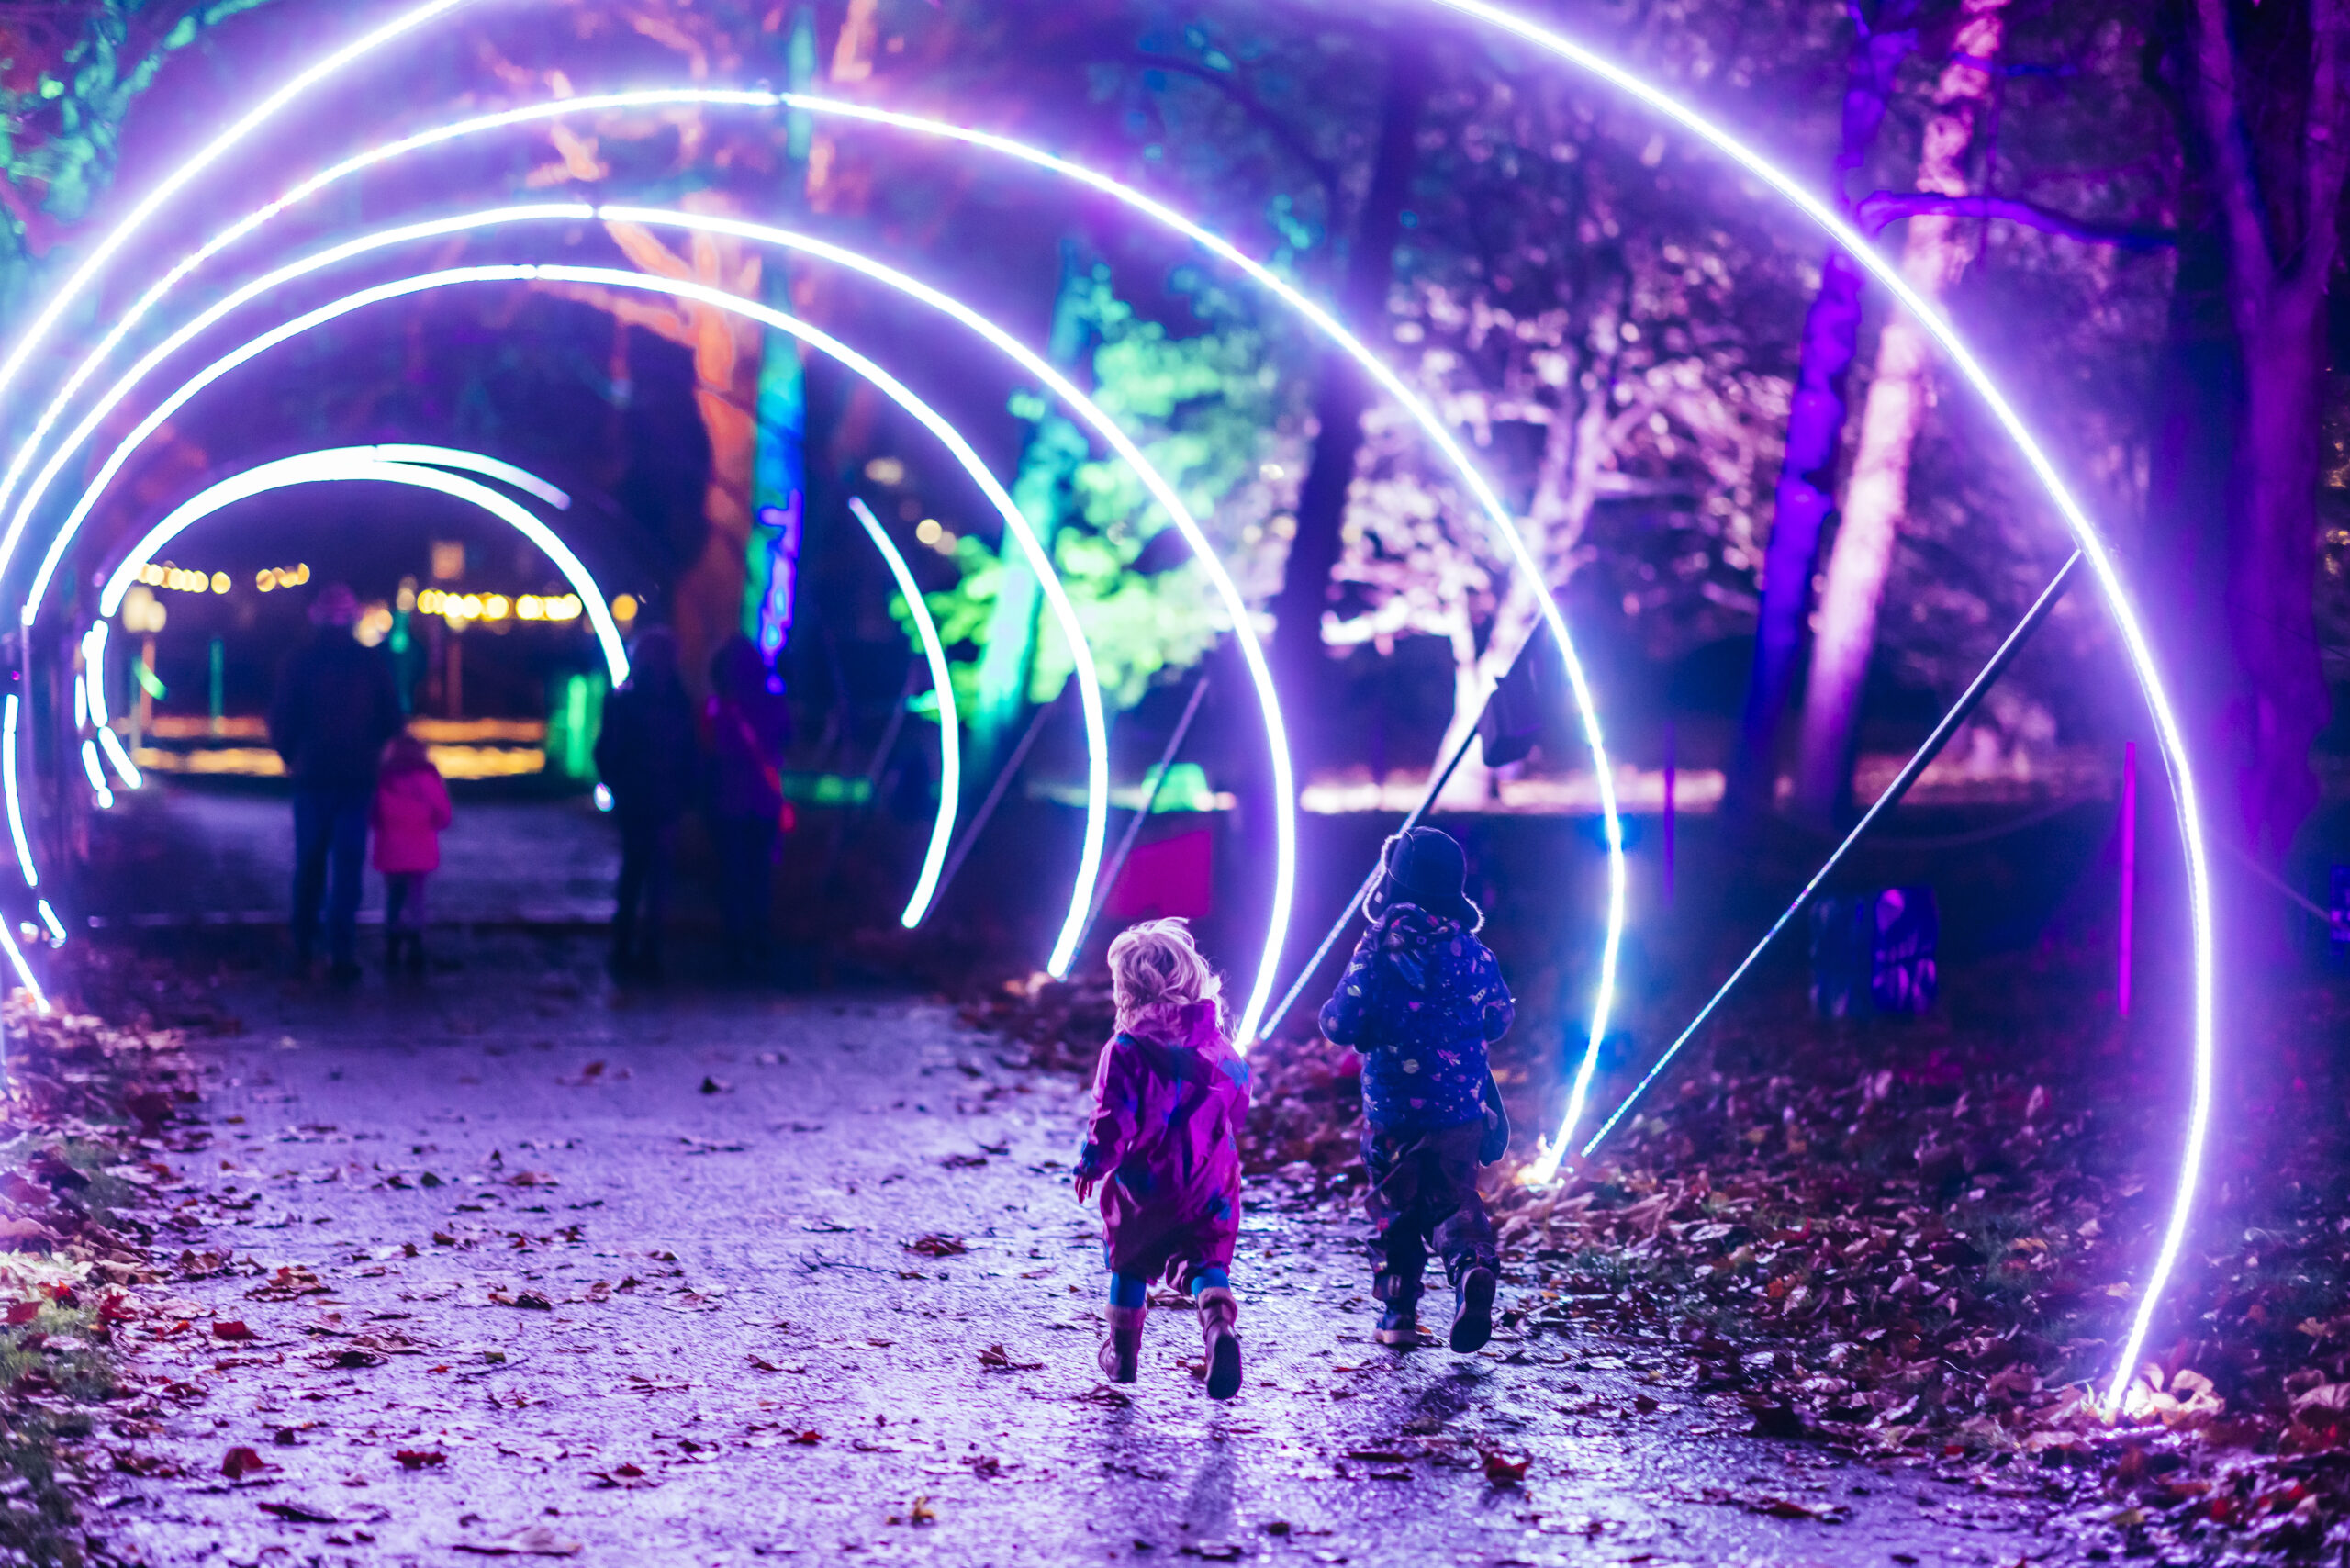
column 1171, row 1098
column 411, row 809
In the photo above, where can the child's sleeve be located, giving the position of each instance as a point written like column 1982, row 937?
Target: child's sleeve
column 1501, row 1011
column 1117, row 1105
column 443, row 813
column 1345, row 1017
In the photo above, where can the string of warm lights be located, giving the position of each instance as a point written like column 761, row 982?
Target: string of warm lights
column 462, row 608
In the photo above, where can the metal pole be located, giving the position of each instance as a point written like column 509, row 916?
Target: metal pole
column 1346, row 915
column 995, row 797
column 1152, row 782
column 1968, row 700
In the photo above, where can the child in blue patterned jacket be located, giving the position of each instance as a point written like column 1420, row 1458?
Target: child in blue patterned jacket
column 1420, row 1000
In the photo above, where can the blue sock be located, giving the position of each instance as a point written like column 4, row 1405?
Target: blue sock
column 1128, row 1290
column 1210, row 1279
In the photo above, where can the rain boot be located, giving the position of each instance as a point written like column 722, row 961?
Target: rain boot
column 1121, row 1351
column 1473, row 1314
column 1218, row 1311
column 1399, row 1321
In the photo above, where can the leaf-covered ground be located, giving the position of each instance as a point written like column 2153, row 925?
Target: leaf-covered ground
column 1921, row 1240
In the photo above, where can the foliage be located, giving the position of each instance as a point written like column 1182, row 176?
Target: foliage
column 1206, row 408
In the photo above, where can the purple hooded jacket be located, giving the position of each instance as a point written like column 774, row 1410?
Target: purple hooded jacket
column 1171, row 1098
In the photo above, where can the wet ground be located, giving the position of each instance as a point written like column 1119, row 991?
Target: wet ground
column 646, row 1276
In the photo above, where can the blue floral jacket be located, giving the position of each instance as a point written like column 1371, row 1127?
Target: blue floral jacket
column 1419, row 1001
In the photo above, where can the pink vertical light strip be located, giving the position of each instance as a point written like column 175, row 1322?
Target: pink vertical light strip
column 2129, row 873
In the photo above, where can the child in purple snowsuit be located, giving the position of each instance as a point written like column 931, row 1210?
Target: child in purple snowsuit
column 1170, row 1096
column 1419, row 1002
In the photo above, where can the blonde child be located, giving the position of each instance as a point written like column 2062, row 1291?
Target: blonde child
column 411, row 810
column 1170, row 1096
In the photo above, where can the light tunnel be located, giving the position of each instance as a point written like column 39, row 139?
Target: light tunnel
column 418, row 467
column 1098, row 761
column 1433, row 429
column 1598, row 64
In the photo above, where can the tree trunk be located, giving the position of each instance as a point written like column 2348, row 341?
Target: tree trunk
column 1298, row 657
column 2275, row 144
column 1804, row 499
column 1878, row 494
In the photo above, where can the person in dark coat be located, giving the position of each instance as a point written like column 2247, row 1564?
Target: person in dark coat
column 748, row 727
column 1420, row 1000
column 649, row 757
column 335, row 709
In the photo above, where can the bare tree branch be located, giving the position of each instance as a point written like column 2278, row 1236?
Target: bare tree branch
column 1248, row 103
column 2222, row 119
column 1874, row 212
column 2325, row 157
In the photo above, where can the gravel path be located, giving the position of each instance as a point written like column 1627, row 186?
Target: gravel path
column 538, row 1267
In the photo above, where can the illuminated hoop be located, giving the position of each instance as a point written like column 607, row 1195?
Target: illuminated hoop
column 2169, row 731
column 1497, row 514
column 950, row 744
column 1098, row 761
column 1064, row 951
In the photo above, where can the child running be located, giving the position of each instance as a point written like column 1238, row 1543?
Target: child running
column 1420, row 1000
column 411, row 809
column 1170, row 1096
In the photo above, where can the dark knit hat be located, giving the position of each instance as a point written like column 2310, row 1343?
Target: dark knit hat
column 1425, row 867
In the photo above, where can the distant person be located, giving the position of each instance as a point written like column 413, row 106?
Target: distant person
column 649, row 755
column 336, row 706
column 1420, row 1000
column 412, row 811
column 749, row 727
column 1170, row 1097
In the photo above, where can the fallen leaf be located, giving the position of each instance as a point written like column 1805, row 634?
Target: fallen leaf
column 935, row 1246
column 530, row 1540
column 234, row 1329
column 625, row 1477
column 239, row 1463
column 420, row 1459
column 996, row 1358
column 299, row 1513
column 1503, row 1471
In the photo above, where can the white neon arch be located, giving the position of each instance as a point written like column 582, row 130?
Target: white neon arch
column 365, row 464
column 1064, row 951
column 1088, row 689
column 1448, row 447
column 950, row 746
column 2149, row 671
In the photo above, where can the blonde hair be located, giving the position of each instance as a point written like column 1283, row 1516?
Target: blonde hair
column 1156, row 964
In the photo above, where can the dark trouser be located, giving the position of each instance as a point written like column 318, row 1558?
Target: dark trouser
column 745, row 848
column 641, row 911
column 1423, row 1198
column 330, row 842
column 404, row 902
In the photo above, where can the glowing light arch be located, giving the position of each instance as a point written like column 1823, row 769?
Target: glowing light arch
column 1497, row 514
column 1089, row 688
column 1585, row 59
column 368, row 463
column 942, row 682
column 1064, row 950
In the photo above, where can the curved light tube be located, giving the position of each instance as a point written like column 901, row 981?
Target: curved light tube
column 1168, row 217
column 1252, row 649
column 195, row 165
column 2093, row 545
column 432, row 228
column 24, row 970
column 1098, row 774
column 8, row 783
column 2167, row 727
column 950, row 744
column 350, row 464
column 111, row 743
column 466, row 462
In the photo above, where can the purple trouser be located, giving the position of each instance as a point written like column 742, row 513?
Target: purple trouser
column 1424, row 1199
